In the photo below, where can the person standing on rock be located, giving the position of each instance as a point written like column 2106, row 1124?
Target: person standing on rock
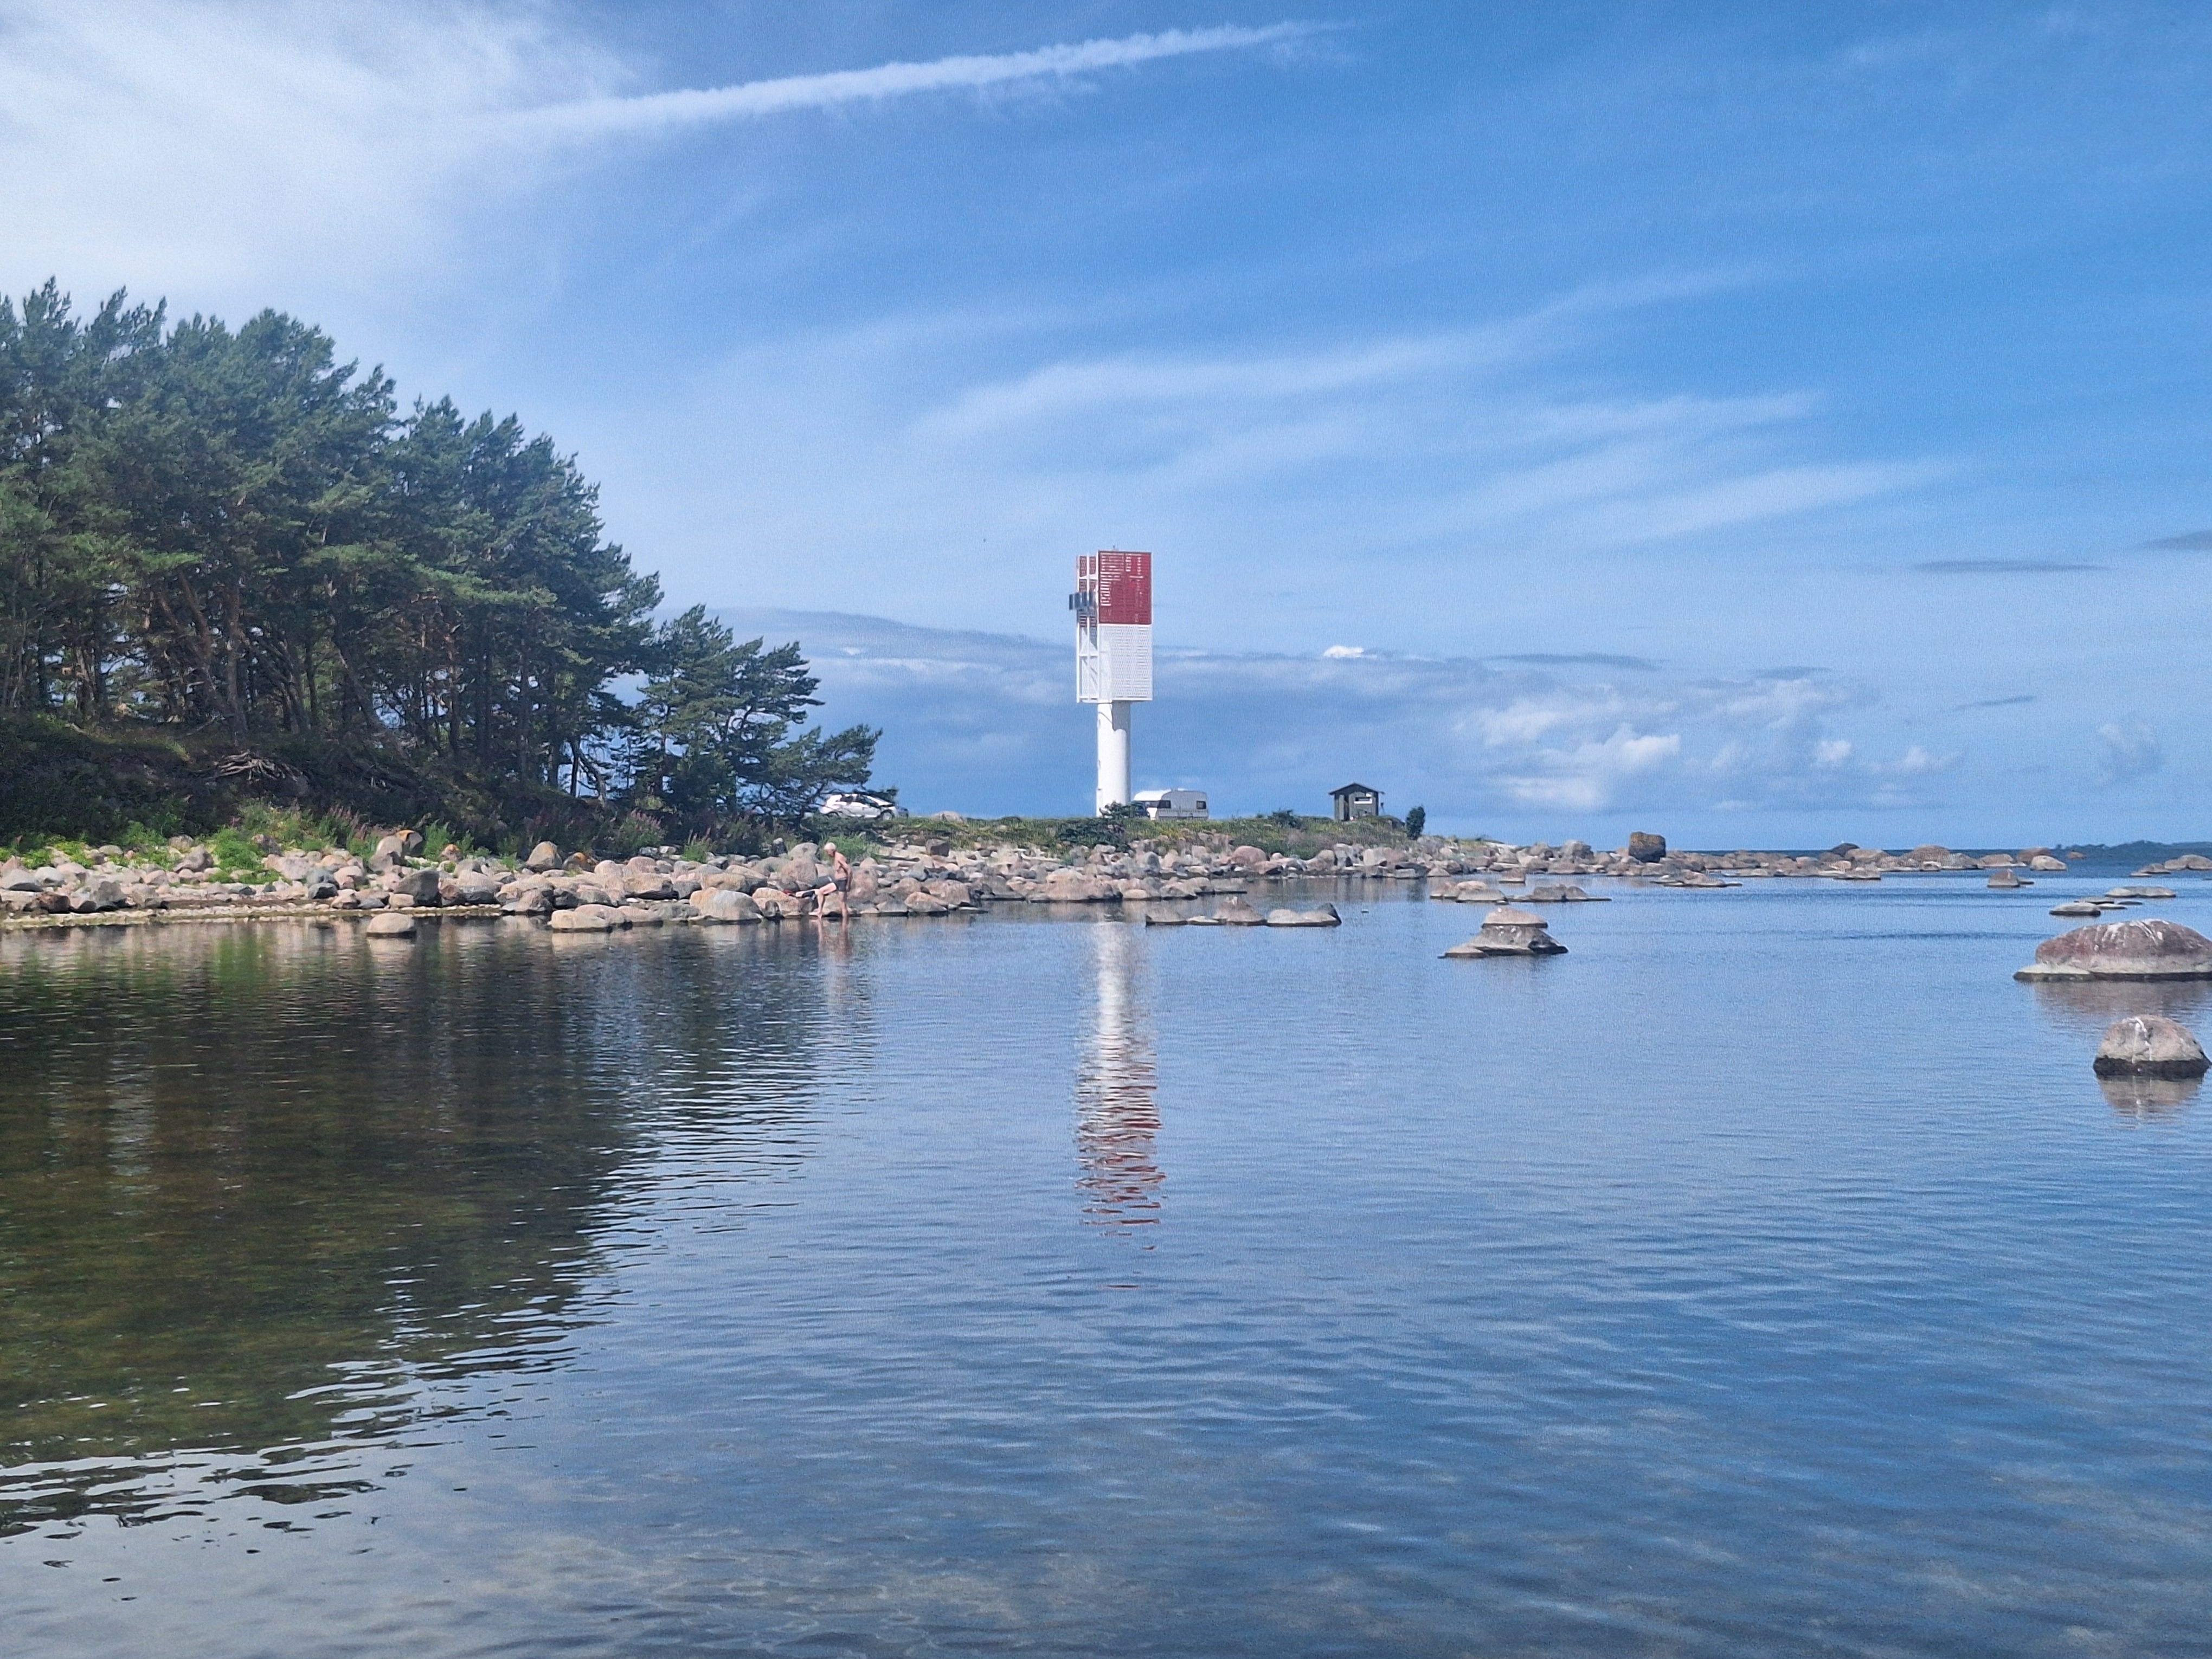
column 840, row 877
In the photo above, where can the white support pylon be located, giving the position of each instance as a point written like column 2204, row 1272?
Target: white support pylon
column 1113, row 755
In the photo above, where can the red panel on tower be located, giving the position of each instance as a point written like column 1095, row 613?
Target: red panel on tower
column 1125, row 588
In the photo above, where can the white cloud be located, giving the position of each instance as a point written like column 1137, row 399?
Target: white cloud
column 215, row 143
column 2125, row 752
column 1342, row 651
column 208, row 143
column 988, row 723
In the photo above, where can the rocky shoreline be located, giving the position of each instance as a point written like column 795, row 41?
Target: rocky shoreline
column 575, row 892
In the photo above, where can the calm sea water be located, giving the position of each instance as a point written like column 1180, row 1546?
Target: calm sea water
column 1768, row 1275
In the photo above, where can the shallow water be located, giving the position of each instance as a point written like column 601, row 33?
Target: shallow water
column 1768, row 1274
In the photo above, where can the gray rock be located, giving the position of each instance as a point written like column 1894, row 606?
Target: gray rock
column 2003, row 877
column 2047, row 864
column 1237, row 912
column 1507, row 932
column 2142, row 893
column 98, row 894
column 391, row 924
column 1646, row 848
column 2154, row 949
column 1159, row 915
column 721, row 905
column 419, row 886
column 2078, row 907
column 2149, row 1045
column 587, row 918
column 527, row 900
column 1323, row 917
column 544, row 856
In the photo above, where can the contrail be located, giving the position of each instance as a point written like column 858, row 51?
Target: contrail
column 657, row 111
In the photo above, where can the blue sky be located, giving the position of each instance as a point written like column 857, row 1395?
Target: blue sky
column 1756, row 423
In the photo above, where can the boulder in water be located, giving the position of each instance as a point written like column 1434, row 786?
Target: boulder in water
column 2078, row 907
column 1646, row 848
column 724, row 905
column 587, row 918
column 1507, row 932
column 391, row 924
column 2149, row 1045
column 2003, row 878
column 1324, row 916
column 2124, row 950
column 1237, row 912
column 1554, row 893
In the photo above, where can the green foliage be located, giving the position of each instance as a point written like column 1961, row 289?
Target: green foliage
column 1284, row 818
column 712, row 735
column 211, row 527
column 233, row 848
column 1109, row 828
column 209, row 530
column 1416, row 821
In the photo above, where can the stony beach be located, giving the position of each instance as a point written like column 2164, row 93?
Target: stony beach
column 574, row 891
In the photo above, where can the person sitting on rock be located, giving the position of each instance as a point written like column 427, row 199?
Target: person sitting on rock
column 840, row 877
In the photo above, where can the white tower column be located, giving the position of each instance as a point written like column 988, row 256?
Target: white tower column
column 1113, row 755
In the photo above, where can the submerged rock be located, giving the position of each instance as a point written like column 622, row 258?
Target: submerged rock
column 2149, row 1045
column 2078, row 907
column 2004, row 878
column 1235, row 911
column 1160, row 915
column 1507, row 932
column 391, row 924
column 2124, row 950
column 1324, row 916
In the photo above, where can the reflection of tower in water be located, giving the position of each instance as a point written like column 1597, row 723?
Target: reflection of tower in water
column 1116, row 1109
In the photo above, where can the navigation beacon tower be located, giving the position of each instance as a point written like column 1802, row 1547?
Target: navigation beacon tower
column 1112, row 607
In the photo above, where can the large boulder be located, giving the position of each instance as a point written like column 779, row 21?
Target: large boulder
column 99, row 893
column 2152, row 949
column 1073, row 887
column 1507, row 932
column 420, row 886
column 1646, row 848
column 474, row 888
column 2149, row 1045
column 720, row 904
column 587, row 918
column 1555, row 893
column 527, row 899
column 391, row 924
column 544, row 856
column 2003, row 878
column 1322, row 916
column 1235, row 911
